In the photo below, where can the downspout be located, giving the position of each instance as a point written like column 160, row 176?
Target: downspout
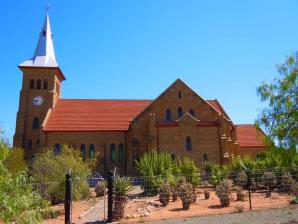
column 219, row 145
column 125, row 148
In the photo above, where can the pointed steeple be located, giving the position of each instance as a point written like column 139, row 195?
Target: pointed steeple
column 44, row 55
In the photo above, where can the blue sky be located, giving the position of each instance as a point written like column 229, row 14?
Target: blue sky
column 135, row 49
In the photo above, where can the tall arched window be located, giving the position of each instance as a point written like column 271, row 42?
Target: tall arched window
column 83, row 151
column 29, row 146
column 188, row 144
column 91, row 151
column 192, row 112
column 179, row 112
column 179, row 95
column 121, row 152
column 32, row 84
column 57, row 149
column 205, row 159
column 168, row 115
column 38, row 86
column 35, row 123
column 45, row 84
column 113, row 152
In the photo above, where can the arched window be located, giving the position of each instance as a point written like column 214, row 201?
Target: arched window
column 91, row 151
column 179, row 112
column 29, row 146
column 83, row 151
column 188, row 144
column 168, row 115
column 45, row 84
column 192, row 112
column 173, row 156
column 113, row 153
column 179, row 95
column 205, row 159
column 38, row 86
column 37, row 142
column 57, row 149
column 35, row 123
column 121, row 152
column 32, row 84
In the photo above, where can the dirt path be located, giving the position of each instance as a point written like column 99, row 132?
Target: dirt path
column 94, row 214
column 287, row 215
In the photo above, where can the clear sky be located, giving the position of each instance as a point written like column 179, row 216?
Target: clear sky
column 134, row 49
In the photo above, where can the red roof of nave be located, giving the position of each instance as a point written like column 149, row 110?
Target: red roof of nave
column 93, row 115
column 98, row 115
column 249, row 136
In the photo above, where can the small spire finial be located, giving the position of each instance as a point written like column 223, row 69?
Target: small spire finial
column 47, row 7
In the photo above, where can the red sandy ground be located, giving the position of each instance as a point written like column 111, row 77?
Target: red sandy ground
column 206, row 207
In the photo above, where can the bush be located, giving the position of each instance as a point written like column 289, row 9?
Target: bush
column 15, row 161
column 49, row 171
column 242, row 179
column 269, row 180
column 122, row 186
column 223, row 192
column 218, row 174
column 286, row 182
column 186, row 167
column 100, row 189
column 164, row 194
column 295, row 189
column 50, row 213
column 240, row 193
column 19, row 203
column 155, row 168
column 185, row 193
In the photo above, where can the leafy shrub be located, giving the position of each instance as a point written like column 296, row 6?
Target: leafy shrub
column 239, row 208
column 237, row 162
column 223, row 191
column 186, row 167
column 242, row 179
column 49, row 171
column 164, row 194
column 19, row 203
column 269, row 180
column 185, row 193
column 218, row 174
column 286, row 181
column 155, row 168
column 100, row 188
column 50, row 213
column 15, row 161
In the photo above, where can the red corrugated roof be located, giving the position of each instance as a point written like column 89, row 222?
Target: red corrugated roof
column 249, row 136
column 93, row 115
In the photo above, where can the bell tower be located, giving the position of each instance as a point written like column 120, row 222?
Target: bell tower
column 41, row 88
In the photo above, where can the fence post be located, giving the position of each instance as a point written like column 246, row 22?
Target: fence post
column 67, row 203
column 110, row 196
column 248, row 173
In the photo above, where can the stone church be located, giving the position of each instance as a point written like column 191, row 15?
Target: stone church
column 178, row 121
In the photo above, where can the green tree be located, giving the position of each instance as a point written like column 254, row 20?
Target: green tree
column 280, row 119
column 15, row 161
column 19, row 203
column 49, row 171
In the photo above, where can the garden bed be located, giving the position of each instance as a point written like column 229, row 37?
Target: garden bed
column 150, row 208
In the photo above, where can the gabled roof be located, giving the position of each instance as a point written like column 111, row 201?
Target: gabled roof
column 44, row 55
column 93, row 115
column 217, row 106
column 249, row 136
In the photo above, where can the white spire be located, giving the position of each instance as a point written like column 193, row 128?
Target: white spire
column 44, row 55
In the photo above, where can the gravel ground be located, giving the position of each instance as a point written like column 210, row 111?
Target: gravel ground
column 288, row 215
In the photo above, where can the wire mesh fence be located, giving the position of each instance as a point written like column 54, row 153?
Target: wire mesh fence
column 186, row 189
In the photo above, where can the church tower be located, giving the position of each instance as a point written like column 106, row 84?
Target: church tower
column 41, row 86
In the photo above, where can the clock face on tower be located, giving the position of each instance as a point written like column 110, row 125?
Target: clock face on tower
column 37, row 101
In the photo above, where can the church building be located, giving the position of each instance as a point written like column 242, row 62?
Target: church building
column 178, row 121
